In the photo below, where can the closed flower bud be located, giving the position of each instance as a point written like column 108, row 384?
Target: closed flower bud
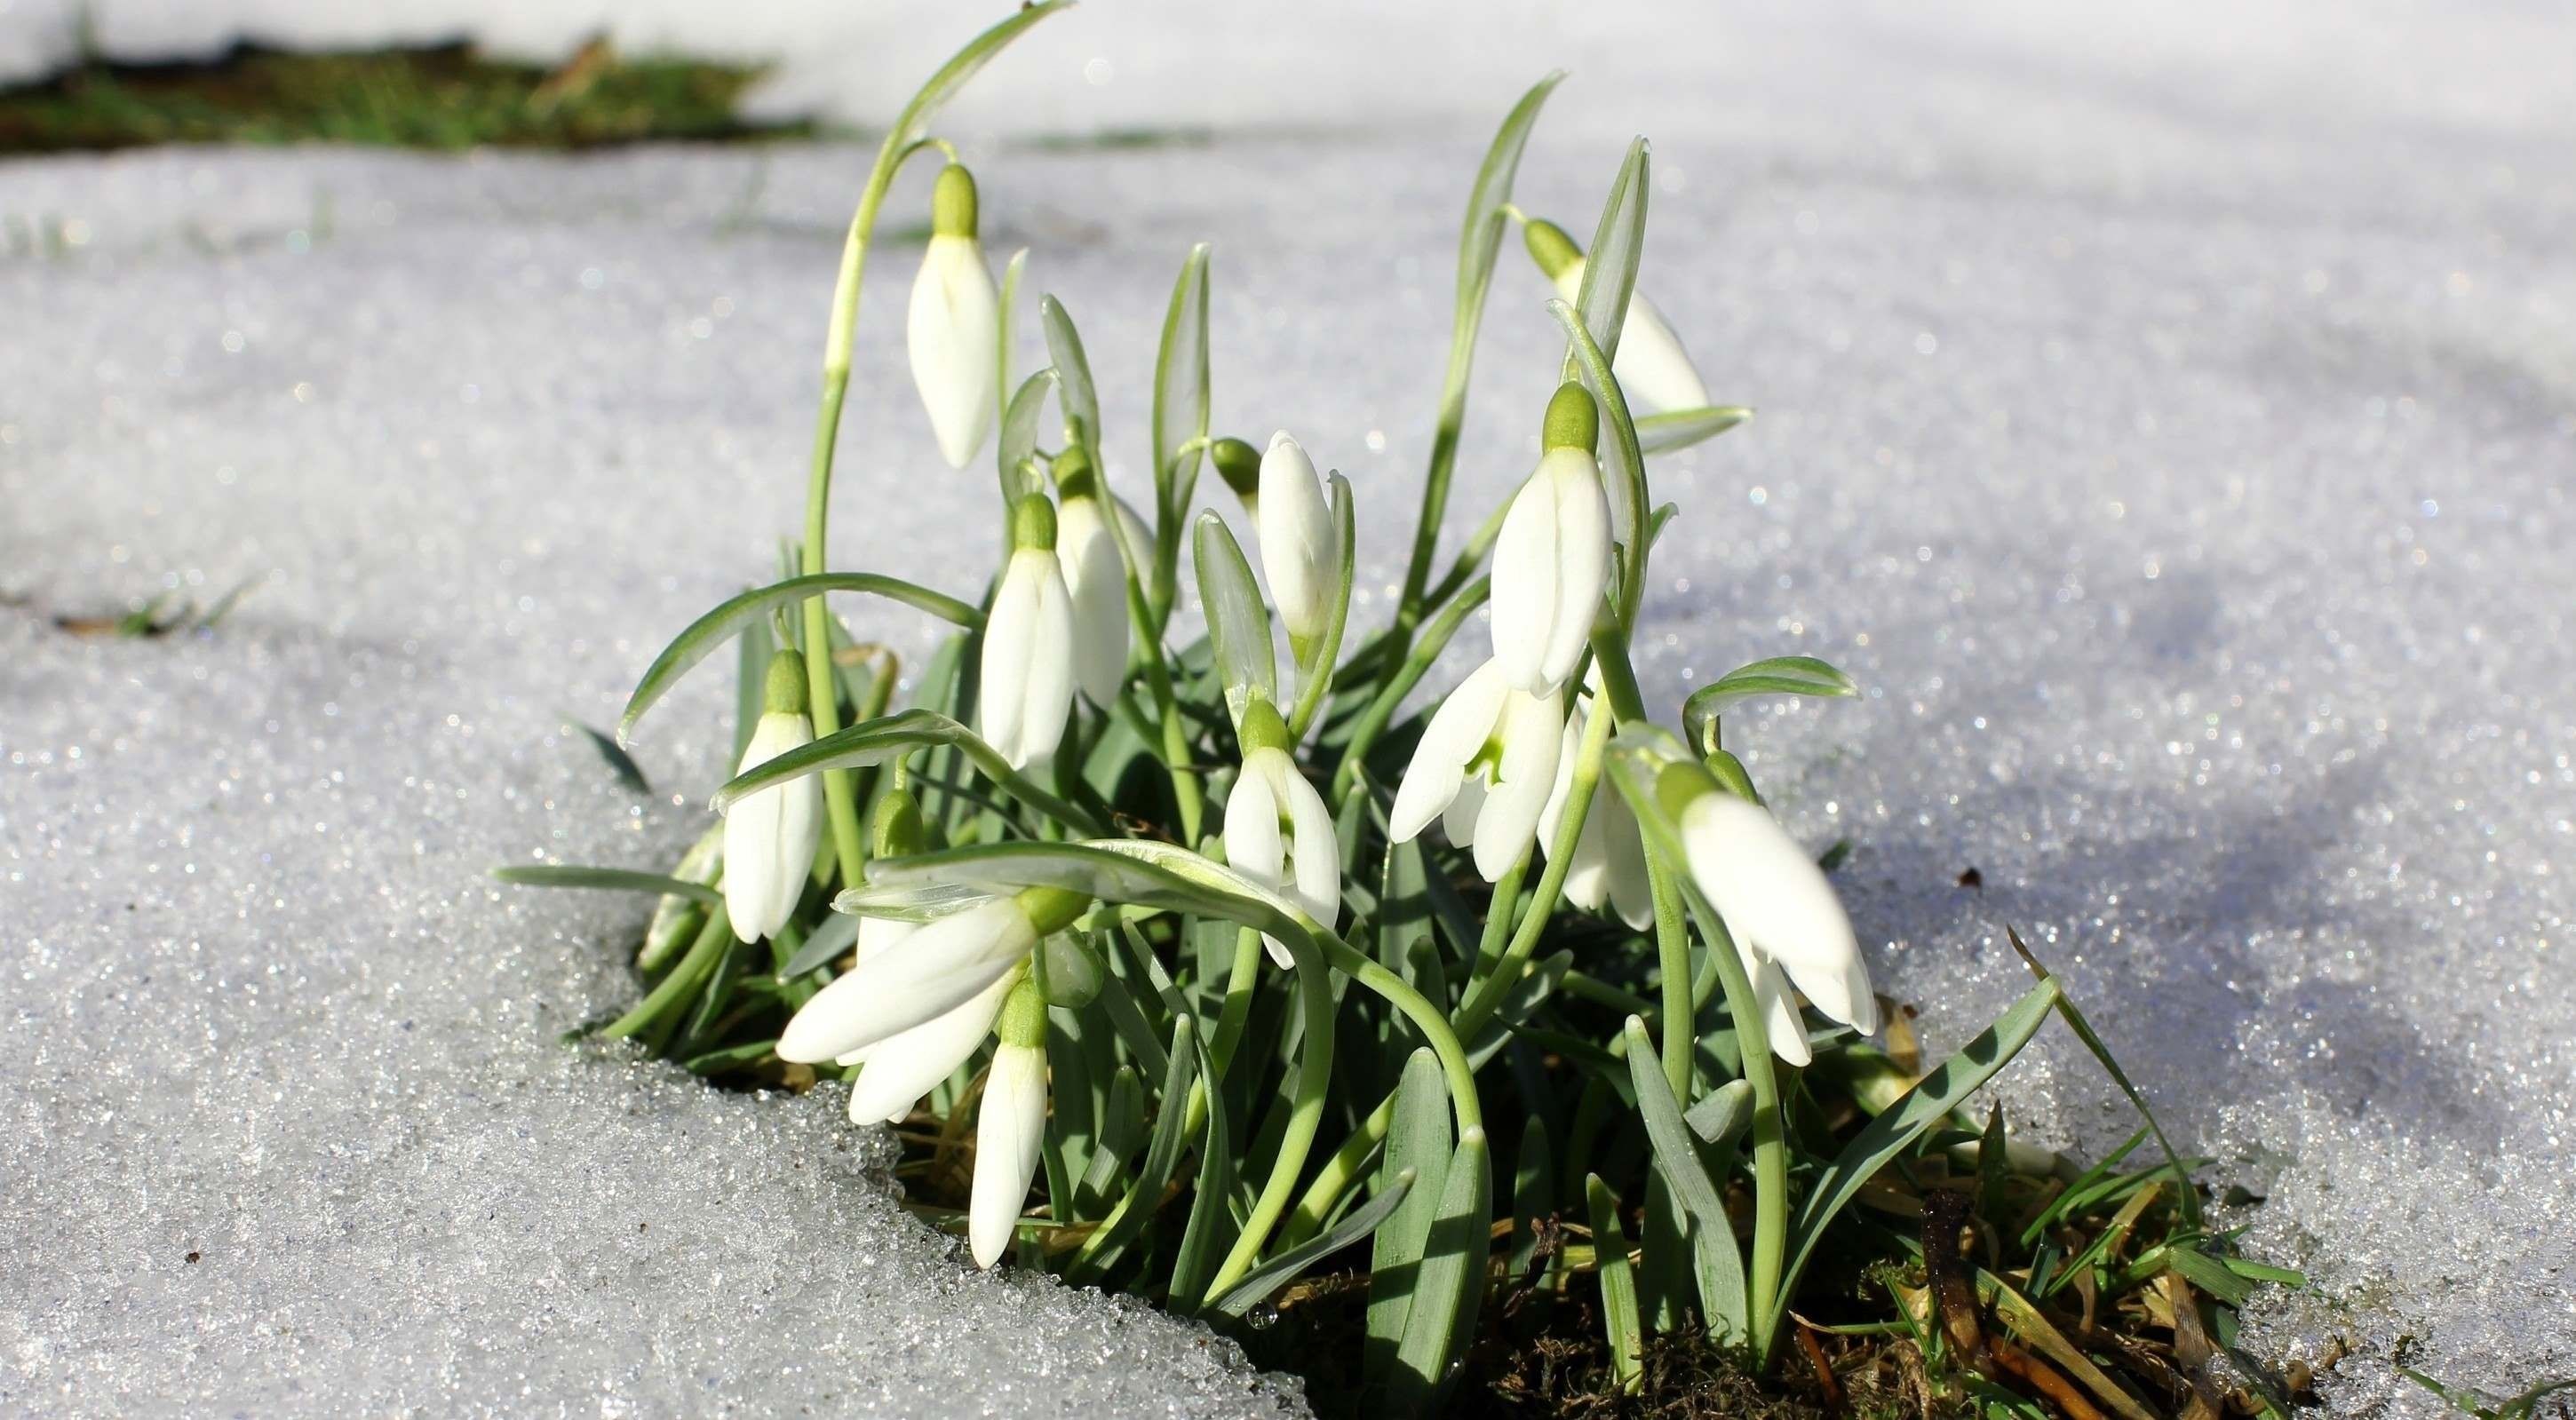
column 1028, row 662
column 1239, row 464
column 1552, row 557
column 1651, row 365
column 1277, row 831
column 954, row 329
column 1009, row 1127
column 770, row 837
column 1300, row 548
column 1095, row 577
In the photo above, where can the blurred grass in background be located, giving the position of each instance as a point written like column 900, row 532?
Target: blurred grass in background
column 439, row 97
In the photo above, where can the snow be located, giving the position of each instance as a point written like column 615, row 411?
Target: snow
column 2171, row 426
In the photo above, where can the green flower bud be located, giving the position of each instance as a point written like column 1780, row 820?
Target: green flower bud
column 1071, row 970
column 952, row 203
column 783, row 692
column 1549, row 246
column 1573, row 421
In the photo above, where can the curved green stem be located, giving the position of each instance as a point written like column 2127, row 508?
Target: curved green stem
column 1239, row 987
column 1314, row 1083
column 1343, row 1170
column 1372, row 722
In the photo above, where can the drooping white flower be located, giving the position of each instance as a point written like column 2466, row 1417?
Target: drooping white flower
column 1095, row 577
column 954, row 328
column 1300, row 547
column 1552, row 557
column 925, row 975
column 1652, row 367
column 1484, row 766
column 907, row 1065
column 770, row 836
column 1028, row 661
column 1609, row 863
column 1277, row 830
column 1784, row 917
column 1010, row 1126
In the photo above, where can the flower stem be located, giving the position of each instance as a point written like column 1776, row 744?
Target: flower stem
column 1314, row 1083
column 1372, row 722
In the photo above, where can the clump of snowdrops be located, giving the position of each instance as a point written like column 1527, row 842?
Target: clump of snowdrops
column 1199, row 972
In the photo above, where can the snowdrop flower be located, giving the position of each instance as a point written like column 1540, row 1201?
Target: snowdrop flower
column 1277, row 830
column 1509, row 741
column 1651, row 365
column 1010, row 1126
column 1609, row 863
column 1028, row 665
column 1552, row 557
column 770, row 837
column 1300, row 547
column 1786, row 921
column 954, row 330
column 1095, row 577
column 924, row 975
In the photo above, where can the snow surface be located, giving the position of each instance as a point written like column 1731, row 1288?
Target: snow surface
column 2173, row 425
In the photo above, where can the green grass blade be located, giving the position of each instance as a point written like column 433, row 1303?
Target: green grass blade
column 1533, row 1194
column 1180, row 416
column 1127, row 1220
column 710, row 631
column 1780, row 675
column 2189, row 1196
column 1618, row 1286
column 1211, row 1228
column 566, row 875
column 820, row 950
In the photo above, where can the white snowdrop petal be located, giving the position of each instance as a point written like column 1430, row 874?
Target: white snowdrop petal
column 927, row 974
column 1008, row 1130
column 1652, row 367
column 1010, row 634
column 1295, row 527
column 1773, row 895
column 1525, row 585
column 1457, row 732
column 1049, row 688
column 1096, row 581
column 1459, row 819
column 770, row 836
column 1583, row 561
column 952, row 333
column 1316, row 855
column 1532, row 728
column 905, row 1066
column 1252, row 843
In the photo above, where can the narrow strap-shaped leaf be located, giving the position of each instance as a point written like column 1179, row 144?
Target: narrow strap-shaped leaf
column 1279, row 1271
column 1133, row 871
column 1618, row 246
column 1019, row 440
column 1180, row 415
column 1122, row 1128
column 1238, row 621
column 1618, row 1285
column 1718, row 1263
column 1162, row 1154
column 1451, row 1284
column 566, row 875
column 1721, row 1116
column 1417, row 1147
column 893, row 737
column 1533, row 1194
column 709, row 631
column 1681, row 428
column 1900, row 1124
column 831, row 939
column 750, row 683
column 1077, row 396
column 1210, row 1229
column 1780, row 675
column 914, row 122
column 2187, row 1196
